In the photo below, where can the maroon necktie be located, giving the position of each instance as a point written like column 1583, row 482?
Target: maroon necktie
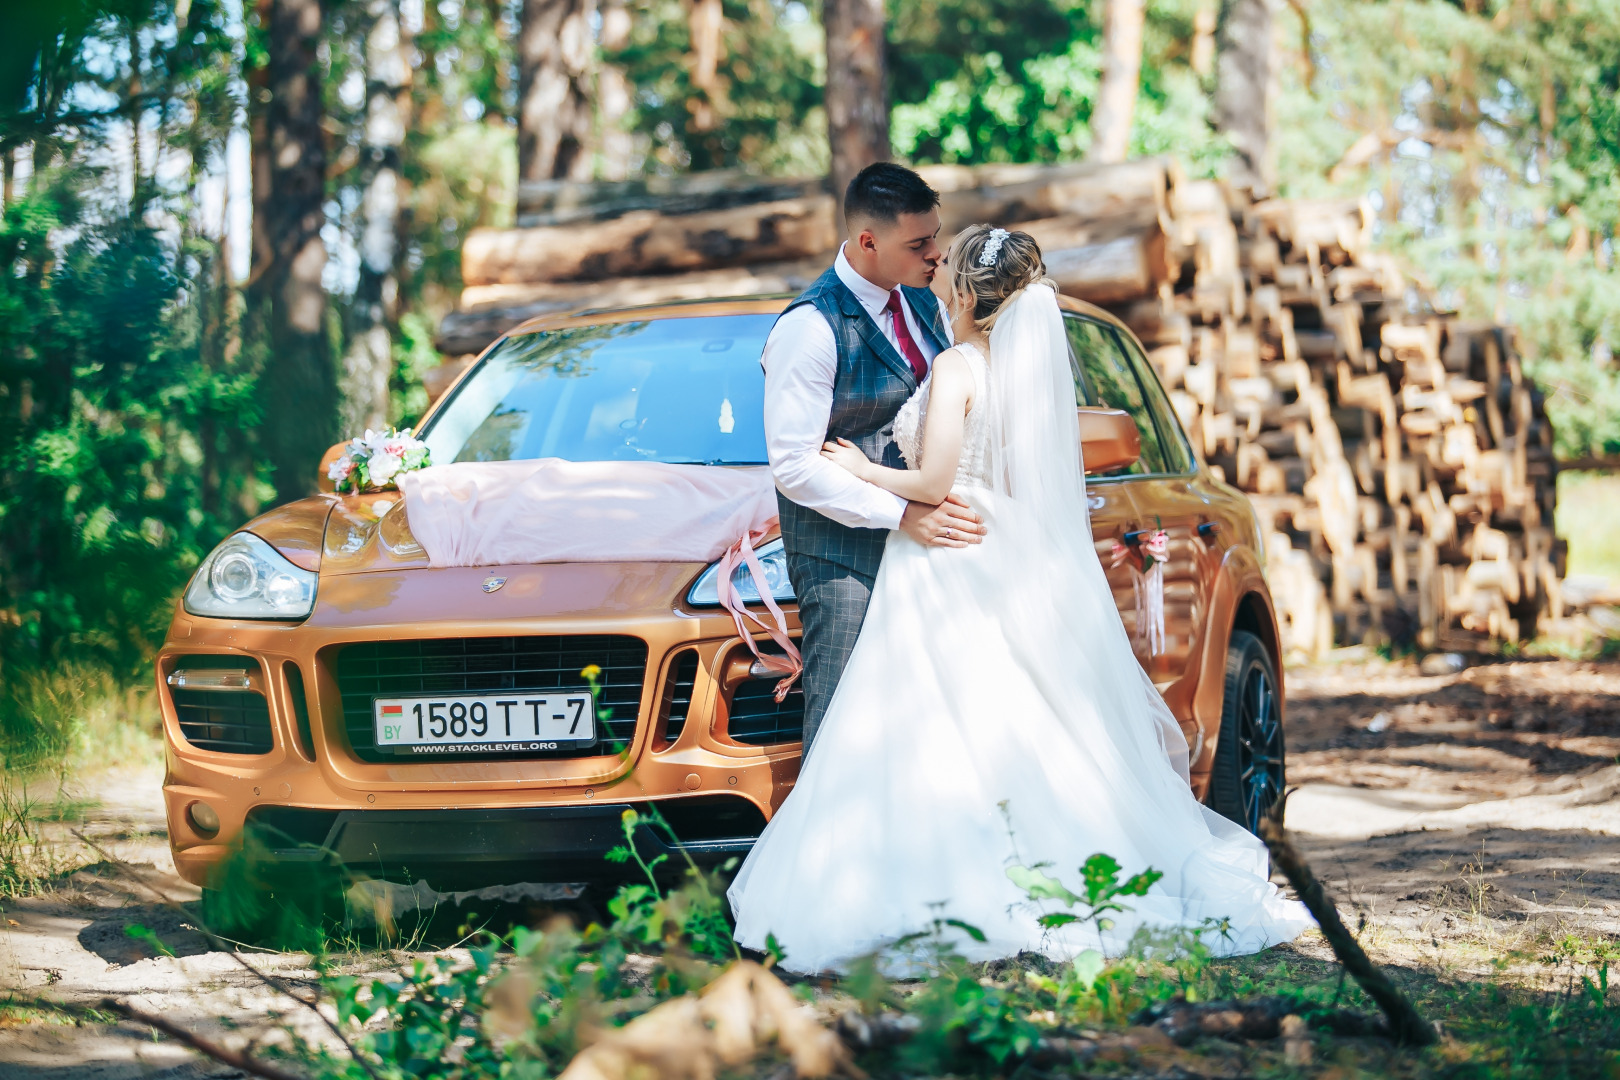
column 902, row 333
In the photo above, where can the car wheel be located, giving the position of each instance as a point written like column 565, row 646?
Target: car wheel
column 1248, row 775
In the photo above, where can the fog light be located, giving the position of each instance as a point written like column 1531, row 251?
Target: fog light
column 203, row 818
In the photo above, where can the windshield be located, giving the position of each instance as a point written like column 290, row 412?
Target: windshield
column 680, row 391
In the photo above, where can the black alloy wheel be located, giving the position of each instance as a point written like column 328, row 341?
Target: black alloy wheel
column 1249, row 756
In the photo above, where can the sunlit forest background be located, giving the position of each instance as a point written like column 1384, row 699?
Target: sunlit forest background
column 163, row 379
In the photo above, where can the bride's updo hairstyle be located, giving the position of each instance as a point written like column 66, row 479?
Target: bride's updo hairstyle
column 991, row 281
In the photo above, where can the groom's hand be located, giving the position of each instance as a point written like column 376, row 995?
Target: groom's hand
column 950, row 524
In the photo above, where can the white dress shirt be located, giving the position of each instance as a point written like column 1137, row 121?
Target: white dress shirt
column 801, row 362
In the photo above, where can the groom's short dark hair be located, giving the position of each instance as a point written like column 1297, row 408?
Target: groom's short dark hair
column 884, row 191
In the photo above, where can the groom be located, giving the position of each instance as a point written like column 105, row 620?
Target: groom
column 839, row 363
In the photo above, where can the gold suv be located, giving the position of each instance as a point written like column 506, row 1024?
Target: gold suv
column 323, row 685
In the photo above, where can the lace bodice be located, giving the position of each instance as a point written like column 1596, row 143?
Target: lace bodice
column 973, row 470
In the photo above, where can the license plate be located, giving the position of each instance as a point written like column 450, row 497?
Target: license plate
column 485, row 722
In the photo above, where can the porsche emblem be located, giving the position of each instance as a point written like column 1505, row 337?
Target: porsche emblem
column 493, row 583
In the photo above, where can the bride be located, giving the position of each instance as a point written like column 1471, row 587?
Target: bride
column 993, row 712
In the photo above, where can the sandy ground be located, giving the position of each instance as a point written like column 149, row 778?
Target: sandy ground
column 1455, row 814
column 1485, row 807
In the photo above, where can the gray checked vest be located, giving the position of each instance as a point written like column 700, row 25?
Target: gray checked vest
column 872, row 382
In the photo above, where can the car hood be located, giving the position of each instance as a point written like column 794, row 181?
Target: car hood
column 368, row 533
column 351, row 540
column 336, row 534
column 296, row 529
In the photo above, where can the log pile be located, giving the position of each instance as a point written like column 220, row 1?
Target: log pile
column 1398, row 459
column 717, row 234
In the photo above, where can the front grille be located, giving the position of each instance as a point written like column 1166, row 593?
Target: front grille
column 682, row 682
column 225, row 721
column 300, row 704
column 757, row 719
column 390, row 669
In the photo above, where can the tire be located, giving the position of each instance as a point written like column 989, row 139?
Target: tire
column 1249, row 754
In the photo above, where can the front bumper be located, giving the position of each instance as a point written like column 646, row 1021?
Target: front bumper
column 469, row 849
column 404, row 815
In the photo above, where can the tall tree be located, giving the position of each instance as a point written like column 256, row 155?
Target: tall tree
column 705, row 20
column 1121, row 75
column 1243, row 73
column 556, row 51
column 857, row 87
column 614, row 94
column 299, row 385
column 369, row 360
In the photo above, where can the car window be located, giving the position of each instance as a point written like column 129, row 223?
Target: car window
column 1109, row 382
column 681, row 391
column 1178, row 455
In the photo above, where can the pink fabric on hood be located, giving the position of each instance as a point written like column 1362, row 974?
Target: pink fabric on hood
column 503, row 513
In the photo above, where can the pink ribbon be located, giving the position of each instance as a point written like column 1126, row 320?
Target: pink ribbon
column 1147, row 586
column 1157, row 544
column 789, row 666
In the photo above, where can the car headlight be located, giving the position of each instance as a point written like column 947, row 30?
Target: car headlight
column 705, row 591
column 246, row 578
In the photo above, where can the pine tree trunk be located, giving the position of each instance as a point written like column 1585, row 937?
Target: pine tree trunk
column 613, row 95
column 1122, row 69
column 1242, row 90
column 298, row 384
column 555, row 52
column 857, row 88
column 708, row 105
column 369, row 361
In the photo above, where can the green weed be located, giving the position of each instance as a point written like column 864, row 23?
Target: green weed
column 30, row 862
column 72, row 719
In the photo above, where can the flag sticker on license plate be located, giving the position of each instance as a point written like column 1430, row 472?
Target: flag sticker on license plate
column 489, row 722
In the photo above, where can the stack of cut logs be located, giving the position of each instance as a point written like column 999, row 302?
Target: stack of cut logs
column 1399, row 460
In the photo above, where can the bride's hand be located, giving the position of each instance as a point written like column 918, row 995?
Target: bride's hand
column 846, row 455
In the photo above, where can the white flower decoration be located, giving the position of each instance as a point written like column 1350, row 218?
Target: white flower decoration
column 992, row 247
column 377, row 459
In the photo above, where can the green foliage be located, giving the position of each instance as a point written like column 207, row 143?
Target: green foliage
column 1100, row 880
column 146, row 936
column 124, row 407
column 25, row 863
column 459, row 176
column 1493, row 173
column 695, row 913
column 977, row 81
column 520, row 1003
column 111, row 485
column 977, row 1017
column 764, row 115
column 1589, row 518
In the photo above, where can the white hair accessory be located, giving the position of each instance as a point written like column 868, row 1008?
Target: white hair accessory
column 992, row 247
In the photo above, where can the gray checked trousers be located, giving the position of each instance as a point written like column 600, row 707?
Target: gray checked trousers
column 832, row 607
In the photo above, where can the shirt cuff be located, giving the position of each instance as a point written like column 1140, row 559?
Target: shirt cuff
column 883, row 520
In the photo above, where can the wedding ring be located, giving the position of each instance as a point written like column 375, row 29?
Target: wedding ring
column 950, row 534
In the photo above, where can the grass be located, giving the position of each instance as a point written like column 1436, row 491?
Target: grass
column 59, row 729
column 1526, row 998
column 1589, row 519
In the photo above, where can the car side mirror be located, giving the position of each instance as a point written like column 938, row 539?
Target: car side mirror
column 1109, row 440
column 323, row 483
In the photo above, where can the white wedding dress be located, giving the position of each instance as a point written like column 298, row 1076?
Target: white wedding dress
column 993, row 713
